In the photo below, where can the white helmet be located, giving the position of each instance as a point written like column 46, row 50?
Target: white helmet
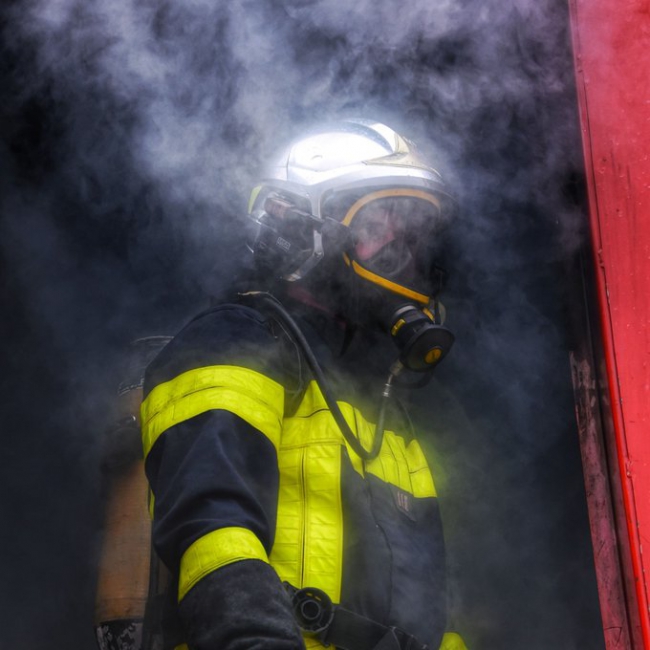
column 357, row 191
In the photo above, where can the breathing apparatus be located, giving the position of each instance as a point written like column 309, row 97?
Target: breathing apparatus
column 355, row 199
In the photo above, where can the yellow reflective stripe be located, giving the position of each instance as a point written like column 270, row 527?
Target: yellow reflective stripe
column 253, row 197
column 399, row 464
column 323, row 564
column 255, row 398
column 452, row 641
column 403, row 466
column 420, row 474
column 308, row 547
column 214, row 550
column 286, row 554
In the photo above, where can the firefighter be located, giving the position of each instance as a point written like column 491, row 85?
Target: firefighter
column 292, row 501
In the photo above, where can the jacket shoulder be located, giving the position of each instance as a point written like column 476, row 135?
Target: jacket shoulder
column 225, row 335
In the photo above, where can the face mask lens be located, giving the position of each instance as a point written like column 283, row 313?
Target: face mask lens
column 392, row 237
column 374, row 231
column 394, row 260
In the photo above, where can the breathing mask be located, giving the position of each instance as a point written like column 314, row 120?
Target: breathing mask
column 358, row 196
column 392, row 251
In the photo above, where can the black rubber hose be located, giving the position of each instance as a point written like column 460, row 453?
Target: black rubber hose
column 324, row 386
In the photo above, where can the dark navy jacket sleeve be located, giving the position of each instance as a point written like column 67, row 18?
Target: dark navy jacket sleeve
column 212, row 417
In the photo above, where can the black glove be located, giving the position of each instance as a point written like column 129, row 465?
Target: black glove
column 242, row 606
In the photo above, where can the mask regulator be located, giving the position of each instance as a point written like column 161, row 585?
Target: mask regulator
column 419, row 336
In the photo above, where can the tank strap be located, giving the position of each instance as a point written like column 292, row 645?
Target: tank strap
column 331, row 624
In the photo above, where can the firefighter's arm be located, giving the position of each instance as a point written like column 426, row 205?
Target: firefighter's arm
column 211, row 424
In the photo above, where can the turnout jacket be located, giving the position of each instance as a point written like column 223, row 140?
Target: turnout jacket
column 253, row 484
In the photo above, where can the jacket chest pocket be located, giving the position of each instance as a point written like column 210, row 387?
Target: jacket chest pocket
column 405, row 507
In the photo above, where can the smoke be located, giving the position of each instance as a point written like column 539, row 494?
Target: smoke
column 132, row 132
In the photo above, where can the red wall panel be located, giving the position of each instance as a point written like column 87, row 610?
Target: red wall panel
column 611, row 40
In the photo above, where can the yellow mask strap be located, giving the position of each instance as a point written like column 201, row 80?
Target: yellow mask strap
column 383, row 282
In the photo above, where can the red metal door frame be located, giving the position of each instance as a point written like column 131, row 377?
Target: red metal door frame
column 611, row 40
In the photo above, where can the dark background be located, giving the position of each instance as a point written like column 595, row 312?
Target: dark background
column 131, row 135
